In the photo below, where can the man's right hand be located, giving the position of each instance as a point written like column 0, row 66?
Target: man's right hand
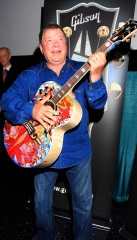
column 44, row 114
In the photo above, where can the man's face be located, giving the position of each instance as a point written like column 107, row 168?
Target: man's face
column 4, row 58
column 54, row 47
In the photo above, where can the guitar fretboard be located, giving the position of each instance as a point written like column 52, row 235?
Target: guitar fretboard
column 70, row 84
column 122, row 34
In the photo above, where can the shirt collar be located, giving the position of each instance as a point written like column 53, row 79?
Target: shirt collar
column 8, row 68
column 67, row 62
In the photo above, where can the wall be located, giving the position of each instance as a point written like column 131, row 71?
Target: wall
column 20, row 23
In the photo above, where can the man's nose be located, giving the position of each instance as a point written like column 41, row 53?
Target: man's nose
column 56, row 42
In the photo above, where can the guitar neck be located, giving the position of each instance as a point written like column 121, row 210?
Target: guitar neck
column 122, row 34
column 70, row 84
column 106, row 46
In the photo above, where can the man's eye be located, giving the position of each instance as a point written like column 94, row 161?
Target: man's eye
column 49, row 41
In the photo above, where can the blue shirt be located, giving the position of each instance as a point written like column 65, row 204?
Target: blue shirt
column 18, row 104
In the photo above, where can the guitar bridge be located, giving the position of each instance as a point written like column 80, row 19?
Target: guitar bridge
column 34, row 131
column 31, row 130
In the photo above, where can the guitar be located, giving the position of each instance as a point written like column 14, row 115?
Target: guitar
column 31, row 145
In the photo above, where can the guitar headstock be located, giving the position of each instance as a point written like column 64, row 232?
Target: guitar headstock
column 125, row 32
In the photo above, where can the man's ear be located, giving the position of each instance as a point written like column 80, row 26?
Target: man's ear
column 41, row 49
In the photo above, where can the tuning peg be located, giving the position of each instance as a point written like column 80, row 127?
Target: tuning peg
column 128, row 40
column 121, row 24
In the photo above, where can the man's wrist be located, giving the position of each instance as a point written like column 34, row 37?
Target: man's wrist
column 94, row 78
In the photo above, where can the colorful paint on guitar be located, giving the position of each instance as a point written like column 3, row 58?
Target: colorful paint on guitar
column 28, row 152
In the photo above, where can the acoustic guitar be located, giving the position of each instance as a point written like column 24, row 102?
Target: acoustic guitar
column 31, row 145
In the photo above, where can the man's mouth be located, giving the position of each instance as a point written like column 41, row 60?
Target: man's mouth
column 56, row 51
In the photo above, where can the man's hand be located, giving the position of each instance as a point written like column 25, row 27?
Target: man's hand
column 97, row 63
column 44, row 114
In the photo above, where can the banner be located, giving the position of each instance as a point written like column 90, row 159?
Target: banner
column 88, row 25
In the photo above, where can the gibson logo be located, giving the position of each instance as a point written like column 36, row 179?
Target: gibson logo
column 79, row 19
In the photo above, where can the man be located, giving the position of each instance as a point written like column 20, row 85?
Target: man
column 75, row 157
column 8, row 73
column 5, row 56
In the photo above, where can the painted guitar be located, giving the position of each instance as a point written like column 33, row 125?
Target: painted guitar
column 30, row 145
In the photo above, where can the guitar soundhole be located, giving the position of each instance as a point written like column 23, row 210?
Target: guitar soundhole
column 51, row 104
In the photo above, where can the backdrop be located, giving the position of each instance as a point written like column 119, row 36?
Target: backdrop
column 92, row 23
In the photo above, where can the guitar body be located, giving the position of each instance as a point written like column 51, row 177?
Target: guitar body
column 43, row 150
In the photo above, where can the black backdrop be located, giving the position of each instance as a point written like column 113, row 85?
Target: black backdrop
column 105, row 133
